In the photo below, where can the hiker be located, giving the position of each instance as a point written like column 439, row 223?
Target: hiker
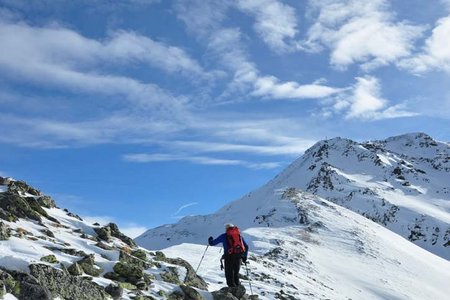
column 235, row 251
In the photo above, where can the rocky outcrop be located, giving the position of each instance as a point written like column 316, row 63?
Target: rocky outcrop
column 111, row 230
column 65, row 285
column 191, row 278
column 87, row 264
column 23, row 286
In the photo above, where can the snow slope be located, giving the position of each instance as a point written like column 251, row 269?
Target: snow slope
column 310, row 248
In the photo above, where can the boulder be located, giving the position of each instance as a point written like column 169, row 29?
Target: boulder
column 115, row 232
column 191, row 279
column 115, row 291
column 75, row 269
column 46, row 202
column 5, row 232
column 25, row 286
column 50, row 259
column 223, row 294
column 65, row 285
column 89, row 267
column 230, row 293
column 131, row 273
column 191, row 293
column 130, row 259
column 8, row 284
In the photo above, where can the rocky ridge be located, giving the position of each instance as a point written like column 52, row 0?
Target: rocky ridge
column 72, row 259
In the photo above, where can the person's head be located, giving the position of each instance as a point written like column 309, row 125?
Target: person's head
column 228, row 226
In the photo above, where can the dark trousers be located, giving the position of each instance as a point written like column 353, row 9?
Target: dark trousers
column 232, row 267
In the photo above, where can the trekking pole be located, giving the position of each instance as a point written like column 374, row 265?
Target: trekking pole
column 202, row 258
column 249, row 279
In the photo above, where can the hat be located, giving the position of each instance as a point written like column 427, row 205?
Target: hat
column 229, row 225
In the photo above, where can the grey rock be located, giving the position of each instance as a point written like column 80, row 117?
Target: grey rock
column 130, row 259
column 115, row 291
column 111, row 230
column 75, row 269
column 5, row 232
column 230, row 293
column 191, row 278
column 89, row 267
column 223, row 294
column 191, row 293
column 65, row 285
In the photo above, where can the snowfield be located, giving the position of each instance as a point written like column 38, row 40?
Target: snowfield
column 337, row 255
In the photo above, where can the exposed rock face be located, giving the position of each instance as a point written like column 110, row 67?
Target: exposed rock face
column 5, row 232
column 16, row 207
column 66, row 285
column 23, row 286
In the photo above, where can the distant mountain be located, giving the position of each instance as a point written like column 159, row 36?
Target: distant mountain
column 402, row 183
column 50, row 253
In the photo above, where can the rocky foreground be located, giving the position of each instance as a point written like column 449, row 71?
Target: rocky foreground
column 50, row 253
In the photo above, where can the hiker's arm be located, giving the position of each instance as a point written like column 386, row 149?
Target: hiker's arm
column 219, row 239
column 246, row 248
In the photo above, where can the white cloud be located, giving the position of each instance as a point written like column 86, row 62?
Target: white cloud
column 275, row 22
column 358, row 31
column 202, row 160
column 271, row 87
column 366, row 102
column 436, row 52
column 57, row 46
column 366, row 98
column 59, row 58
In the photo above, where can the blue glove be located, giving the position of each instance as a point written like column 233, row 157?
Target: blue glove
column 210, row 239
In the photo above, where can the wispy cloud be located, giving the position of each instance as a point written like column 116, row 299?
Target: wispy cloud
column 275, row 22
column 358, row 31
column 60, row 58
column 227, row 46
column 435, row 54
column 177, row 213
column 202, row 160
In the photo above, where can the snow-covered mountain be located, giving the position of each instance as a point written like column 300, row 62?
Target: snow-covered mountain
column 402, row 183
column 311, row 228
column 50, row 253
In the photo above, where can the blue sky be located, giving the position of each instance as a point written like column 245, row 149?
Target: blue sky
column 143, row 111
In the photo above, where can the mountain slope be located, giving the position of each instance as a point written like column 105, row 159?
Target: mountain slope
column 311, row 248
column 305, row 247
